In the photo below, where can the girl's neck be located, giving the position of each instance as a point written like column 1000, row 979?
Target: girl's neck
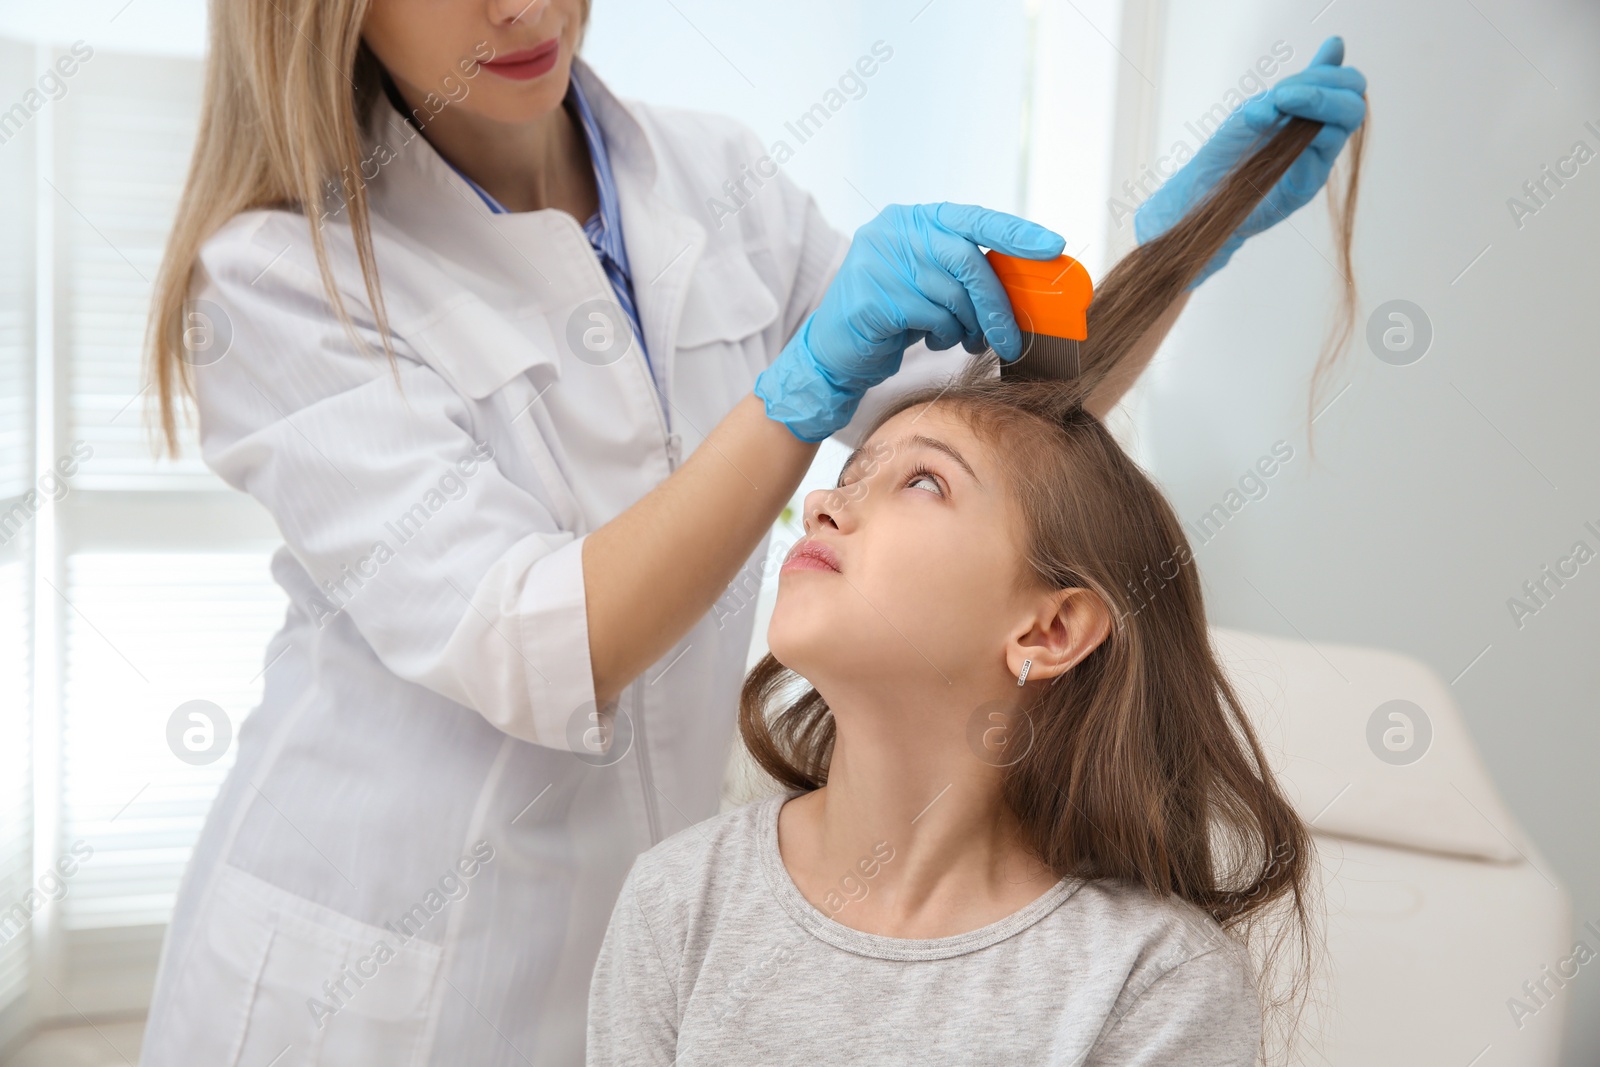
column 910, row 837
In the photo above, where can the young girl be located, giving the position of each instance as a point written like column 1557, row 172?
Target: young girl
column 1024, row 819
column 994, row 847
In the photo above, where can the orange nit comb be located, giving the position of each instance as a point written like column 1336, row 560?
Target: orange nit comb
column 1050, row 298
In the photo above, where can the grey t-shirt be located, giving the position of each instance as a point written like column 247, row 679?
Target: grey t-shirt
column 713, row 956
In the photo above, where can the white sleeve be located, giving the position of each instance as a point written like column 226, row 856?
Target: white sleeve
column 389, row 497
column 801, row 235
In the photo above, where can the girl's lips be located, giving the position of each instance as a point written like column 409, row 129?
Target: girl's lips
column 527, row 64
column 808, row 555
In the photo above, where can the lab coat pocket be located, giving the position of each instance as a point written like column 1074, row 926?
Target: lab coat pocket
column 478, row 349
column 727, row 302
column 326, row 988
column 722, row 340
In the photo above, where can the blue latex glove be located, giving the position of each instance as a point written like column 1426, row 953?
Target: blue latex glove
column 911, row 274
column 1324, row 91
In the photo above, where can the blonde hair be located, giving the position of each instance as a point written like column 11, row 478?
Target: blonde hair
column 289, row 89
column 288, row 85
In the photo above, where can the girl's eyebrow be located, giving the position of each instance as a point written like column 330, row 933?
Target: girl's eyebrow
column 949, row 450
column 849, row 462
column 924, row 442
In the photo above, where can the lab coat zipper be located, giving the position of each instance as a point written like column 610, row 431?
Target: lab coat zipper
column 674, row 448
column 671, row 442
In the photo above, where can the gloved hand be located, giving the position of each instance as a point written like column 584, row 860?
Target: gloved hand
column 912, row 273
column 1324, row 91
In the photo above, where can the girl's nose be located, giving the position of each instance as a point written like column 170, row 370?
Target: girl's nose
column 823, row 508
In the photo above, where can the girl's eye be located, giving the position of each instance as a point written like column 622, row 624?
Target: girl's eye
column 923, row 477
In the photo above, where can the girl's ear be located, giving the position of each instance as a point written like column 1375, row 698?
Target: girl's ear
column 1070, row 624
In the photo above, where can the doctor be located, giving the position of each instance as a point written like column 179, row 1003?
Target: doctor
column 456, row 316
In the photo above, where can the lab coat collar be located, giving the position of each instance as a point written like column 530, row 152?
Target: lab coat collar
column 626, row 140
column 664, row 242
column 524, row 262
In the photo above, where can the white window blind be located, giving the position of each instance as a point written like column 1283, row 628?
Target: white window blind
column 162, row 572
column 16, row 778
column 149, row 631
column 123, row 138
column 17, row 426
column 16, row 301
column 171, row 599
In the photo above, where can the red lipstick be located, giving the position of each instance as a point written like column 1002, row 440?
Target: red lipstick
column 809, row 555
column 527, row 64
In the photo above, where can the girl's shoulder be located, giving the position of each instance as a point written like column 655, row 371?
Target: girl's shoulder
column 1154, row 934
column 696, row 868
column 1186, row 987
column 688, row 886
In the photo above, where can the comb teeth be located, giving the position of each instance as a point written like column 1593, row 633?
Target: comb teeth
column 1043, row 358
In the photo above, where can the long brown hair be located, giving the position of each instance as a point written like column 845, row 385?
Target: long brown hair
column 1142, row 285
column 1140, row 764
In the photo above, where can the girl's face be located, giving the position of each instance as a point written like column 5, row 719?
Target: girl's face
column 503, row 60
column 908, row 575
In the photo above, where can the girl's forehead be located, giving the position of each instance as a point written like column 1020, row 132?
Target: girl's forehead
column 931, row 419
column 935, row 428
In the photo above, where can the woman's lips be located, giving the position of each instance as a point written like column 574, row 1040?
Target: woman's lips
column 527, row 64
column 808, row 555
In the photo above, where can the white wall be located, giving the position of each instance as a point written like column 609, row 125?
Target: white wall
column 940, row 120
column 138, row 27
column 1438, row 488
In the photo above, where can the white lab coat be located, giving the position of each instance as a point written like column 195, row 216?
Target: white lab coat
column 409, row 864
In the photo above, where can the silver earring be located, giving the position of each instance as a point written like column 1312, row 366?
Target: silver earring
column 1022, row 675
